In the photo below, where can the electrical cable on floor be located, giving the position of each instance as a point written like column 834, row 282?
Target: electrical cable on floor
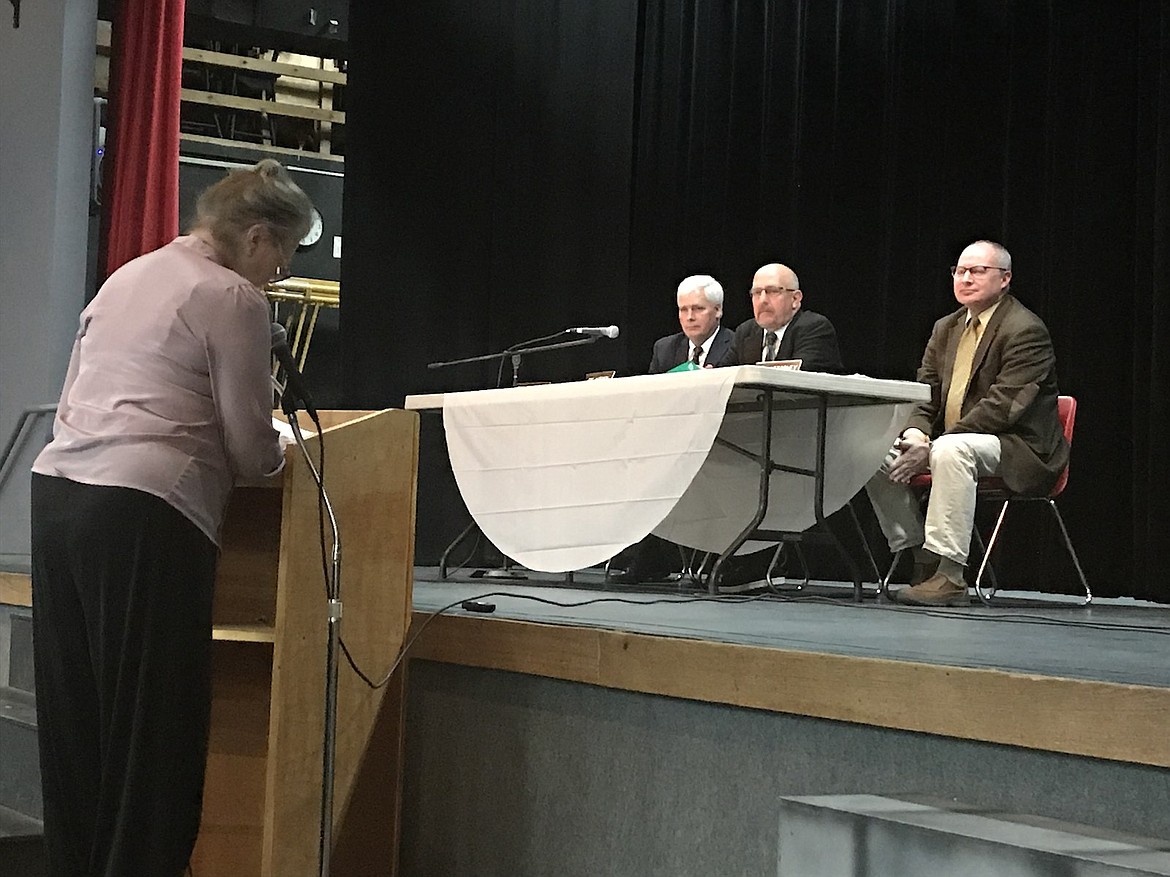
column 773, row 596
column 402, row 652
column 768, row 596
column 953, row 613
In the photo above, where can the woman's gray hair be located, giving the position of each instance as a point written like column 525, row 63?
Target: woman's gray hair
column 263, row 193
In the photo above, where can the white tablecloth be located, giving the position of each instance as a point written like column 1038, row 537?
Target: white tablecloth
column 724, row 495
column 563, row 476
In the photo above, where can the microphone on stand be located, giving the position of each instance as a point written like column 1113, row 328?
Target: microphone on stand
column 294, row 382
column 596, row 331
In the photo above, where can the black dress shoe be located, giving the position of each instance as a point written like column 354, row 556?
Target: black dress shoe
column 742, row 584
column 639, row 577
column 747, row 573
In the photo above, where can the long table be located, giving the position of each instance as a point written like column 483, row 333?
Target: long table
column 563, row 476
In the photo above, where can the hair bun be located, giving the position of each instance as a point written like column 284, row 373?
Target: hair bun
column 269, row 167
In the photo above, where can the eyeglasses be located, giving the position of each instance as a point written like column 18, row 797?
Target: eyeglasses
column 770, row 291
column 958, row 271
column 286, row 253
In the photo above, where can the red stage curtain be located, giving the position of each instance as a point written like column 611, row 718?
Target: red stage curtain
column 141, row 171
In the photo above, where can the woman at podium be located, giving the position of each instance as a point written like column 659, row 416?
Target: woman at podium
column 167, row 400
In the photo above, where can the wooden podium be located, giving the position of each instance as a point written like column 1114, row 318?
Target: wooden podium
column 262, row 798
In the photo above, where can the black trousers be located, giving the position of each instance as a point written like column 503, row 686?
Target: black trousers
column 122, row 587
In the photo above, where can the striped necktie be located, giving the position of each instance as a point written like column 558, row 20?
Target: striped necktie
column 697, row 355
column 770, row 346
column 961, row 374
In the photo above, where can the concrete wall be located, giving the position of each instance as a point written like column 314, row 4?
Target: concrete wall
column 46, row 113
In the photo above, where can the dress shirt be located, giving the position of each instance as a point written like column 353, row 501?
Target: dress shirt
column 985, row 316
column 705, row 347
column 764, row 340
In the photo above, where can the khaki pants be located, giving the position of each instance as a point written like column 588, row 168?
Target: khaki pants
column 957, row 460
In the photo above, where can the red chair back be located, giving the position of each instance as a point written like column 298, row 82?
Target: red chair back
column 1066, row 412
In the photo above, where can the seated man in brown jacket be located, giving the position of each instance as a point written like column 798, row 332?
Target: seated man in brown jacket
column 992, row 411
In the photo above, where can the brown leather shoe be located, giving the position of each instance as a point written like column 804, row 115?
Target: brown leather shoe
column 937, row 590
column 922, row 570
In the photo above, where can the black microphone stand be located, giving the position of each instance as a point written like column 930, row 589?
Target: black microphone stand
column 516, row 352
column 292, row 398
column 333, row 643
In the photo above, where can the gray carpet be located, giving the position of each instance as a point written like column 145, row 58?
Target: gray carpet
column 1114, row 640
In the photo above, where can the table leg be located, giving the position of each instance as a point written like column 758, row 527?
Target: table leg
column 819, row 499
column 765, row 461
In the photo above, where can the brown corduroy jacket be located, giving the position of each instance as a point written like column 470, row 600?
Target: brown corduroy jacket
column 1012, row 393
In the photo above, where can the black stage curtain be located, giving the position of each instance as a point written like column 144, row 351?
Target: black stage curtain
column 518, row 167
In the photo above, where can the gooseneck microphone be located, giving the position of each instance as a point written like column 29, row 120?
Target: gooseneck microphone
column 596, row 331
column 294, row 382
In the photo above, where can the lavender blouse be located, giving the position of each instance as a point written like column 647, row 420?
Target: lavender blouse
column 168, row 387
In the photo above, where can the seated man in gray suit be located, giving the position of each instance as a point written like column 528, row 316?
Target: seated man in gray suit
column 992, row 411
column 702, row 340
column 782, row 328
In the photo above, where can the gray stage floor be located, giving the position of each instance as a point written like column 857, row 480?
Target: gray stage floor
column 1114, row 640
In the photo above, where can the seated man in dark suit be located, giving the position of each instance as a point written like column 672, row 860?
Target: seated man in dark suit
column 782, row 328
column 707, row 344
column 992, row 411
column 702, row 340
column 700, row 301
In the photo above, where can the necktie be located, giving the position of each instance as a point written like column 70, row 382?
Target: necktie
column 961, row 375
column 697, row 355
column 769, row 346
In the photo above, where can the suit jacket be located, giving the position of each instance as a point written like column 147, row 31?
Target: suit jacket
column 1012, row 393
column 809, row 337
column 675, row 350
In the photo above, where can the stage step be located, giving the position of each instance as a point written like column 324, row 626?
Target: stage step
column 830, row 835
column 21, row 845
column 20, row 776
column 13, row 824
column 20, row 779
column 16, row 652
